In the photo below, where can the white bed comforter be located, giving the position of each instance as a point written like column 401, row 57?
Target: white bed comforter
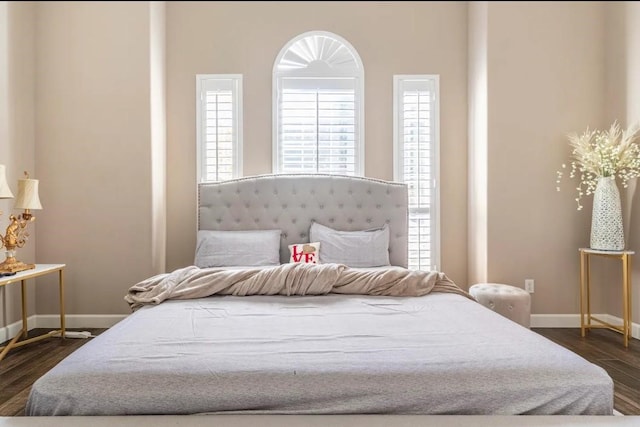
column 333, row 354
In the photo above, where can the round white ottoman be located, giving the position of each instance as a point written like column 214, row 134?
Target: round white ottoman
column 509, row 301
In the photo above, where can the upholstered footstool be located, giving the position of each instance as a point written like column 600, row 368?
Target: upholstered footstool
column 509, row 301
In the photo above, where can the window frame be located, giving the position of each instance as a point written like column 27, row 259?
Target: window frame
column 398, row 157
column 278, row 75
column 237, row 82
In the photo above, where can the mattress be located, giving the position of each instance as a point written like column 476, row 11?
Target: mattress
column 331, row 354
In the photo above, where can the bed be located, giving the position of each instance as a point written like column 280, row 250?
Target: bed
column 281, row 350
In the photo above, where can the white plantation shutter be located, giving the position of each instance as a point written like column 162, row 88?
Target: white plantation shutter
column 317, row 127
column 219, row 122
column 318, row 119
column 416, row 163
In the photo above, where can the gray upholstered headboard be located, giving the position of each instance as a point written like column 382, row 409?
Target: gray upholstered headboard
column 291, row 202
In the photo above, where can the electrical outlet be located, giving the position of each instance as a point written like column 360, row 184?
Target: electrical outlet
column 529, row 285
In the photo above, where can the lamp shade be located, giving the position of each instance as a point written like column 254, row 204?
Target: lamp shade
column 27, row 195
column 5, row 191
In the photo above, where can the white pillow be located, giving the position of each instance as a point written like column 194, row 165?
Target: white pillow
column 366, row 248
column 233, row 248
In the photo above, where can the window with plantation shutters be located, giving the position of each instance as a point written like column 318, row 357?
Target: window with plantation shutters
column 219, row 126
column 318, row 119
column 416, row 163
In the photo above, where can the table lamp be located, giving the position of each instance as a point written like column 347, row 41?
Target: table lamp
column 16, row 234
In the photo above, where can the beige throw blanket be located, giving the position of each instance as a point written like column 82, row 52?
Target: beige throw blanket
column 287, row 279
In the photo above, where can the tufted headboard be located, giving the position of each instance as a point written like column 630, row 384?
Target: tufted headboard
column 291, row 202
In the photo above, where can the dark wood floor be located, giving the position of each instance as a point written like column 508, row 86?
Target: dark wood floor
column 22, row 366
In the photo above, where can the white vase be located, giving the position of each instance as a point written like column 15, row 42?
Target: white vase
column 606, row 219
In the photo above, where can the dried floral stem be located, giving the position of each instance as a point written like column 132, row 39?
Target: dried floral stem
column 598, row 153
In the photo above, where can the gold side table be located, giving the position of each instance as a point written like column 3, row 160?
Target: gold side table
column 585, row 304
column 22, row 276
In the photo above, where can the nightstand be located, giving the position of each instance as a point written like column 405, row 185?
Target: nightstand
column 585, row 281
column 22, row 276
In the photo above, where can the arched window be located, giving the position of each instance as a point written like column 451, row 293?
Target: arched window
column 318, row 104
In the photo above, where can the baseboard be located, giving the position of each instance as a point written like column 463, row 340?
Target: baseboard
column 573, row 321
column 11, row 330
column 53, row 321
column 78, row 320
column 555, row 320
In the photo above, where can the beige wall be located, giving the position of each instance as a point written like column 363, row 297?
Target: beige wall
column 623, row 104
column 158, row 112
column 545, row 78
column 98, row 80
column 478, row 14
column 245, row 37
column 536, row 72
column 633, row 117
column 17, row 132
column 94, row 145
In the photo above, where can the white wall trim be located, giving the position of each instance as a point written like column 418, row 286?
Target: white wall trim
column 573, row 321
column 556, row 320
column 12, row 329
column 78, row 320
column 53, row 321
